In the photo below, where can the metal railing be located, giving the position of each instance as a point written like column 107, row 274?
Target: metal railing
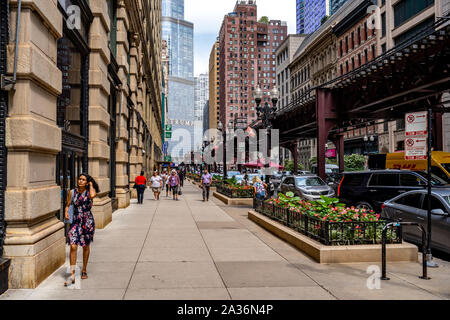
column 234, row 192
column 329, row 233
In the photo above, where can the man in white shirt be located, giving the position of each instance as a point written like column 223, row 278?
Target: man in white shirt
column 155, row 183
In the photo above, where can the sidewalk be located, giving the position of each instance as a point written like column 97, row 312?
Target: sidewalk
column 189, row 249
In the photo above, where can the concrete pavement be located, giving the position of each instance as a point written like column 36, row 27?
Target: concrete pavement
column 189, row 249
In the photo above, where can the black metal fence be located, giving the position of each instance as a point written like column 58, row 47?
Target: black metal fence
column 231, row 192
column 329, row 233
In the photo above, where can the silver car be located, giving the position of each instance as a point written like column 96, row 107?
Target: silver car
column 309, row 187
column 412, row 206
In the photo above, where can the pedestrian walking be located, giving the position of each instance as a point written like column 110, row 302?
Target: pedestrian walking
column 259, row 188
column 82, row 225
column 182, row 174
column 155, row 183
column 140, row 184
column 205, row 184
column 165, row 184
column 174, row 183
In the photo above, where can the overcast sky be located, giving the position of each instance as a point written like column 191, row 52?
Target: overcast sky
column 207, row 16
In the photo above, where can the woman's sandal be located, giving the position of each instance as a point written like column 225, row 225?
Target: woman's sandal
column 84, row 275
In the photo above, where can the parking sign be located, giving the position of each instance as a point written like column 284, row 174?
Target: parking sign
column 416, row 136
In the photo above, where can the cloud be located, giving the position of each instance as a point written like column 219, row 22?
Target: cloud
column 207, row 16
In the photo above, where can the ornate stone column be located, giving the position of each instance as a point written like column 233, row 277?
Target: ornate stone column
column 99, row 118
column 34, row 236
column 123, row 49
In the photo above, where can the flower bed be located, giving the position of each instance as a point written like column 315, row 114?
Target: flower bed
column 327, row 221
column 233, row 191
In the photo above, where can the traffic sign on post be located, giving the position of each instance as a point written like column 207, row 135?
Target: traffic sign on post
column 416, row 133
column 168, row 135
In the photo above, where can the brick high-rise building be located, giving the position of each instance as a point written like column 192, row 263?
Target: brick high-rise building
column 214, row 87
column 247, row 58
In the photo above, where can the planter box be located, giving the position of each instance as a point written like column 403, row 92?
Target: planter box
column 4, row 268
column 336, row 254
column 233, row 201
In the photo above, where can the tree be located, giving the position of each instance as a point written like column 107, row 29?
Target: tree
column 354, row 162
column 325, row 18
column 264, row 19
column 289, row 166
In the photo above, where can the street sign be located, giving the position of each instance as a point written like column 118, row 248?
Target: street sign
column 416, row 136
column 167, row 158
column 416, row 148
column 416, row 124
column 165, row 148
column 168, row 127
column 168, row 135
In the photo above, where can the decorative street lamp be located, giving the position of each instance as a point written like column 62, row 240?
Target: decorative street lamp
column 265, row 113
column 224, row 130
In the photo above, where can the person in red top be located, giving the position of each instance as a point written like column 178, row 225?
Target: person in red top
column 140, row 184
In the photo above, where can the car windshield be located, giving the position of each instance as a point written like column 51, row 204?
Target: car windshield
column 309, row 182
column 435, row 180
column 446, row 166
column 446, row 199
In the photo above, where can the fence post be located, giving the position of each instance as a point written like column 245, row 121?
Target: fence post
column 306, row 223
column 327, row 236
column 383, row 252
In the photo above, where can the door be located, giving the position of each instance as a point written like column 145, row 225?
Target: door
column 286, row 186
column 409, row 182
column 409, row 209
column 382, row 187
column 440, row 225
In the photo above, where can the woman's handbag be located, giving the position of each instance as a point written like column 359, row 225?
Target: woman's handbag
column 71, row 209
column 179, row 192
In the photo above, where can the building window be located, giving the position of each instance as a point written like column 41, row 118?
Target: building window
column 383, row 24
column 406, row 9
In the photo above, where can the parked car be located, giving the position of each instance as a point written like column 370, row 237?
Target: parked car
column 309, row 187
column 231, row 174
column 413, row 206
column 369, row 189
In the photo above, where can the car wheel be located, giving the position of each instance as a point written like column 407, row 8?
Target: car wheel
column 364, row 205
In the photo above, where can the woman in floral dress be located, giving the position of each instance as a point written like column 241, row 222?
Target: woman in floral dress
column 82, row 228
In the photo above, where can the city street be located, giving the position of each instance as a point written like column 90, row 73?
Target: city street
column 189, row 249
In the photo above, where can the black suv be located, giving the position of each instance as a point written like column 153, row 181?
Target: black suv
column 369, row 189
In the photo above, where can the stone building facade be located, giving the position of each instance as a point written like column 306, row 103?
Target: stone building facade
column 87, row 99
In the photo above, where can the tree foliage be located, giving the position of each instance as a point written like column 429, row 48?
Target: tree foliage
column 325, row 18
column 264, row 19
column 289, row 166
column 352, row 162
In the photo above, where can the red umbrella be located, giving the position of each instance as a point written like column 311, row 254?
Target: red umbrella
column 260, row 164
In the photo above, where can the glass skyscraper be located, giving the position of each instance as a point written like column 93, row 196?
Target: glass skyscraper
column 310, row 14
column 335, row 5
column 179, row 35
